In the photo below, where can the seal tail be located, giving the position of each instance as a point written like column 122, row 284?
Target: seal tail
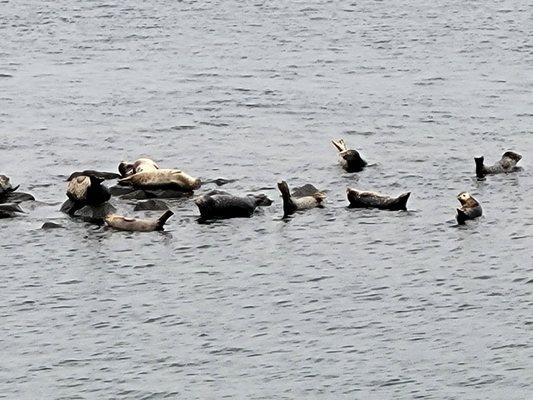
column 339, row 145
column 163, row 219
column 13, row 189
column 480, row 173
column 461, row 217
column 401, row 201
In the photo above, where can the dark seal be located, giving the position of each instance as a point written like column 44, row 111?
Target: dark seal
column 363, row 199
column 505, row 165
column 220, row 205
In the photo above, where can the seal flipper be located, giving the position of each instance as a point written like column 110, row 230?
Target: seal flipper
column 162, row 219
column 401, row 201
column 461, row 217
column 339, row 145
column 288, row 205
column 480, row 169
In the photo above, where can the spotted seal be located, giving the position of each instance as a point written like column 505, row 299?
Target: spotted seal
column 139, row 165
column 305, row 198
column 85, row 189
column 219, row 205
column 162, row 179
column 505, row 165
column 349, row 159
column 470, row 208
column 364, row 199
column 122, row 223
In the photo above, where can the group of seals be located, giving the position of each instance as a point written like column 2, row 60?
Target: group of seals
column 89, row 199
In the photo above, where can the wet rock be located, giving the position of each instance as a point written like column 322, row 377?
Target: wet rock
column 119, row 190
column 152, row 204
column 16, row 197
column 51, row 225
column 94, row 213
column 140, row 194
column 305, row 190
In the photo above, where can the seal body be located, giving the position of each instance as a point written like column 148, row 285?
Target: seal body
column 349, row 159
column 139, row 165
column 162, row 179
column 506, row 164
column 470, row 208
column 364, row 199
column 292, row 203
column 219, row 205
column 137, row 225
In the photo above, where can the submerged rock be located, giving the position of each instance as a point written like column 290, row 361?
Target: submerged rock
column 10, row 210
column 152, row 204
column 51, row 225
column 129, row 192
column 88, row 213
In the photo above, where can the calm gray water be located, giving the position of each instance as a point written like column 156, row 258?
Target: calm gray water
column 333, row 303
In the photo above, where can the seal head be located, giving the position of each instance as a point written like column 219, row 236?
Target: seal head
column 349, row 159
column 470, row 208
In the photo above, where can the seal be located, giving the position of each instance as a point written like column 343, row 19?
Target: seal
column 137, row 225
column 470, row 208
column 85, row 189
column 304, row 199
column 162, row 179
column 139, row 165
column 219, row 205
column 350, row 160
column 5, row 185
column 506, row 164
column 362, row 199
column 9, row 194
column 9, row 210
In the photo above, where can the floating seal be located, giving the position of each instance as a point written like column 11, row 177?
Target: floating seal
column 470, row 208
column 505, row 165
column 5, row 185
column 362, row 199
column 140, row 165
column 350, row 160
column 218, row 205
column 293, row 203
column 162, row 179
column 137, row 225
column 9, row 210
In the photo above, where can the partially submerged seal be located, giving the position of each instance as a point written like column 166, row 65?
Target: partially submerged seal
column 470, row 208
column 162, row 179
column 364, row 199
column 218, row 204
column 349, row 159
column 305, row 199
column 505, row 165
column 139, row 165
column 136, row 224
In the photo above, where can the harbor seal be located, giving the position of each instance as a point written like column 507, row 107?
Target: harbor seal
column 505, row 165
column 162, row 179
column 293, row 203
column 470, row 208
column 349, row 159
column 363, row 199
column 5, row 185
column 137, row 225
column 139, row 165
column 87, row 194
column 219, row 205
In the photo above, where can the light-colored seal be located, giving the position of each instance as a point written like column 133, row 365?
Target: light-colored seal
column 162, row 179
column 364, row 199
column 506, row 164
column 349, row 159
column 470, row 208
column 292, row 203
column 139, row 165
column 137, row 225
column 85, row 189
column 218, row 205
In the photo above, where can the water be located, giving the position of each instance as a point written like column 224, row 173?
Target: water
column 333, row 303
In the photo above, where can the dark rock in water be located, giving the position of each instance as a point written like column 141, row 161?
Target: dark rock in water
column 155, row 194
column 305, row 190
column 135, row 195
column 95, row 213
column 152, row 204
column 67, row 207
column 16, row 197
column 51, row 225
column 7, row 214
column 11, row 207
column 221, row 181
column 119, row 190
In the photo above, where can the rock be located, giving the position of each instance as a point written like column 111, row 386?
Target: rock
column 95, row 213
column 119, row 190
column 152, row 204
column 16, row 197
column 141, row 194
column 51, row 225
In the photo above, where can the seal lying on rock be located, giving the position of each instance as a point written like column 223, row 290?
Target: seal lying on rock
column 218, row 205
column 302, row 199
column 470, row 208
column 162, row 179
column 350, row 160
column 505, row 165
column 9, row 210
column 139, row 165
column 362, row 199
column 137, row 225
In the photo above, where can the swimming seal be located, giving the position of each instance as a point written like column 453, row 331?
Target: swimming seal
column 137, row 225
column 139, row 165
column 470, row 208
column 162, row 179
column 219, row 205
column 9, row 210
column 363, row 199
column 307, row 197
column 506, row 164
column 350, row 160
